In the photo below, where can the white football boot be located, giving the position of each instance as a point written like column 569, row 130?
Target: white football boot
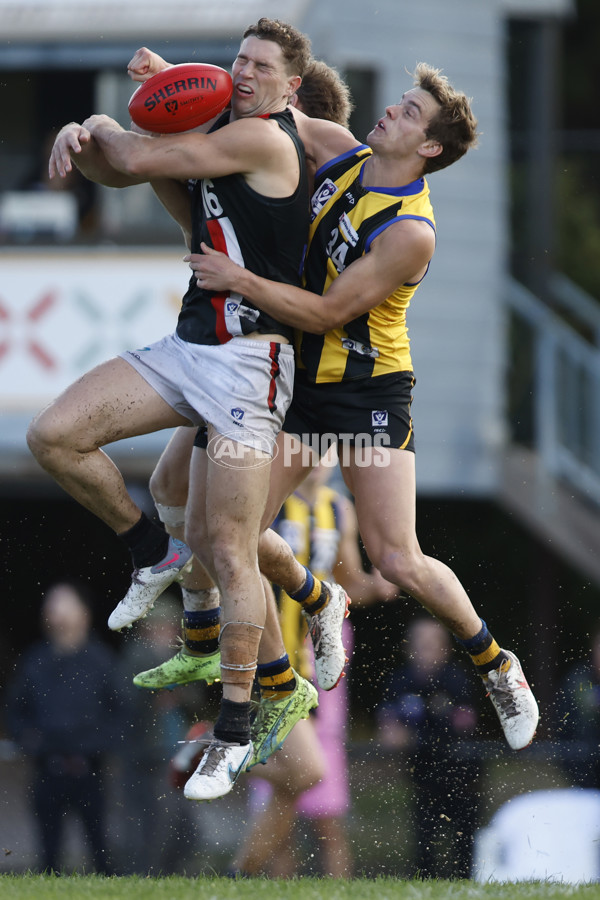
column 513, row 701
column 218, row 770
column 325, row 629
column 147, row 585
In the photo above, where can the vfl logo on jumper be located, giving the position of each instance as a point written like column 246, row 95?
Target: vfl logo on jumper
column 238, row 415
column 363, row 349
column 379, row 418
column 320, row 197
column 347, row 231
column 238, row 309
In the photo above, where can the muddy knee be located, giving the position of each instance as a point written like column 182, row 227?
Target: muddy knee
column 41, row 437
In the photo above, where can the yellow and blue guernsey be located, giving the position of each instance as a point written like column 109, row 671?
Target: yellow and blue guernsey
column 313, row 533
column 345, row 220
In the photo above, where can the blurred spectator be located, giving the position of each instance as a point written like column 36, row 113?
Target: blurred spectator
column 427, row 708
column 63, row 710
column 580, row 717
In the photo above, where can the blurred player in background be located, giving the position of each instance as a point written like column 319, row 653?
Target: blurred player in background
column 320, row 525
column 308, row 779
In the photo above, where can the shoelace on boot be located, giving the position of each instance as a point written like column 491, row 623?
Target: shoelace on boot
column 504, row 695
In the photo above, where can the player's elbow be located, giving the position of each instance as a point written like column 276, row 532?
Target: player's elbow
column 318, row 328
column 133, row 166
column 117, row 180
column 328, row 312
column 127, row 159
column 317, row 325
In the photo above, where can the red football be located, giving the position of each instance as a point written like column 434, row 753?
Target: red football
column 181, row 97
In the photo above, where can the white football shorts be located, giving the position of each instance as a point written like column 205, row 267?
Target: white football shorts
column 242, row 388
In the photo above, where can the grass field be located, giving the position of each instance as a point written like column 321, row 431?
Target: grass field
column 82, row 887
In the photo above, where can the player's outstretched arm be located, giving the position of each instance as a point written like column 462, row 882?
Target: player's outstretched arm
column 248, row 145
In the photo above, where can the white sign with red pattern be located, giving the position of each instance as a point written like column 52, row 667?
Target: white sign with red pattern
column 64, row 312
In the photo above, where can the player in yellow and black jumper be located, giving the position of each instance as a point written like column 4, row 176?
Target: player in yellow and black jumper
column 366, row 362
column 371, row 241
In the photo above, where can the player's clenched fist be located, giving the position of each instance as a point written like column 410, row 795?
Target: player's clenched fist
column 144, row 64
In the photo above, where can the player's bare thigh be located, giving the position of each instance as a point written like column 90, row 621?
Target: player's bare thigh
column 290, row 465
column 385, row 498
column 109, row 403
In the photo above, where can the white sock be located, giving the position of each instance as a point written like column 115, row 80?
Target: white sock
column 198, row 601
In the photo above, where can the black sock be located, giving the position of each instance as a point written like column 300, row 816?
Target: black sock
column 233, row 723
column 147, row 542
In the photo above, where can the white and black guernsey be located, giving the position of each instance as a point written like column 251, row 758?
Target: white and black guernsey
column 266, row 235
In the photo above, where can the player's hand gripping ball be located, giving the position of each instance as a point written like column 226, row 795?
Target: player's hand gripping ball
column 181, row 98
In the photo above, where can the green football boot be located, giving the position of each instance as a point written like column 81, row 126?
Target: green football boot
column 276, row 718
column 181, row 669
